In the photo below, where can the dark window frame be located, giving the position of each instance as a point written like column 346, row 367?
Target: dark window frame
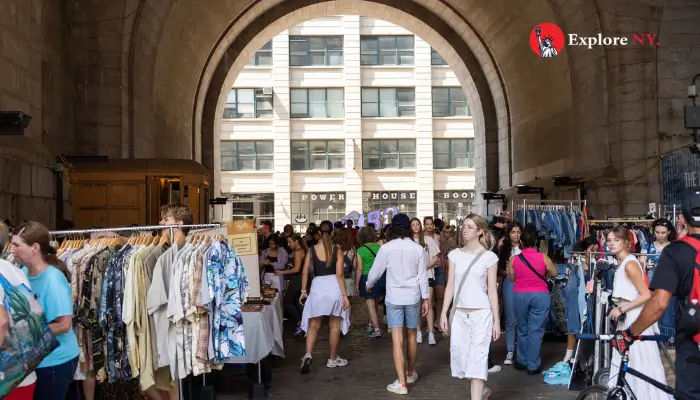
column 237, row 156
column 436, row 59
column 380, row 152
column 453, row 156
column 259, row 113
column 327, row 53
column 308, row 155
column 379, row 102
column 308, row 102
column 450, row 102
column 379, row 51
column 255, row 60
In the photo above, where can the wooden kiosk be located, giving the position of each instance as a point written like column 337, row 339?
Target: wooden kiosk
column 123, row 192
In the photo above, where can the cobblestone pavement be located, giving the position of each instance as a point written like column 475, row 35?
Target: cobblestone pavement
column 371, row 368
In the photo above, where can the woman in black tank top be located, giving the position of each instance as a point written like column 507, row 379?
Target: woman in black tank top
column 328, row 297
column 292, row 307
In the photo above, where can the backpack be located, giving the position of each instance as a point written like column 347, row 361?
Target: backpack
column 28, row 340
column 348, row 265
column 690, row 314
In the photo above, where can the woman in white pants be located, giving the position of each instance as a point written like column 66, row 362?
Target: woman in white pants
column 472, row 287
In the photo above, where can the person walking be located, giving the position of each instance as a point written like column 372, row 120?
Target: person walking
column 472, row 290
column 509, row 249
column 404, row 262
column 291, row 296
column 366, row 252
column 49, row 280
column 327, row 299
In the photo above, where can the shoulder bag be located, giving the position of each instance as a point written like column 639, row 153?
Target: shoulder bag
column 527, row 264
column 461, row 284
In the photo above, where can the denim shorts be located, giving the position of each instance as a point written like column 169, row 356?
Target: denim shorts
column 439, row 276
column 400, row 316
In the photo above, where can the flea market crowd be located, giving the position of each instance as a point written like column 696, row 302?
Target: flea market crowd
column 167, row 305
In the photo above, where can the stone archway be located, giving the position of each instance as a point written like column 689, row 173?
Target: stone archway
column 501, row 76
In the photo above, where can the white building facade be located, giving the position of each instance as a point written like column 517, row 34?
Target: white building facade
column 345, row 115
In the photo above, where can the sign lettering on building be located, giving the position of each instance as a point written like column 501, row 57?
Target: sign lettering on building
column 323, row 196
column 454, row 195
column 376, row 217
column 377, row 196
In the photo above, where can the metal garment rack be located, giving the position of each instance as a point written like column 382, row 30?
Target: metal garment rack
column 137, row 229
column 546, row 205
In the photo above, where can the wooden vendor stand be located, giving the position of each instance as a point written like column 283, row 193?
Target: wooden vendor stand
column 124, row 192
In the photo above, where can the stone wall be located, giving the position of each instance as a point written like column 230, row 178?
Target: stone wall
column 129, row 78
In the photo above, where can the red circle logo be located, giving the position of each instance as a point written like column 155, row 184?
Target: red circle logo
column 547, row 40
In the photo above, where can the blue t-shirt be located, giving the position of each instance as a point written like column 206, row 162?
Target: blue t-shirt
column 52, row 290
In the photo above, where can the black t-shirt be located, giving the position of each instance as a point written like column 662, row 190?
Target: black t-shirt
column 674, row 271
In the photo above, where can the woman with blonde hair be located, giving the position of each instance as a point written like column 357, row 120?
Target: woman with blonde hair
column 474, row 320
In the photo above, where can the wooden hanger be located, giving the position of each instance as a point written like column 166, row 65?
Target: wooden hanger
column 181, row 240
column 164, row 239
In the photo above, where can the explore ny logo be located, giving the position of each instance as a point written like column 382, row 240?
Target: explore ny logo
column 547, row 40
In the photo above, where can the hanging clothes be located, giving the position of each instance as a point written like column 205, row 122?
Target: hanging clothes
column 563, row 227
column 154, row 312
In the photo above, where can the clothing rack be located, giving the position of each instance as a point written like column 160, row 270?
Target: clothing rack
column 619, row 221
column 135, row 229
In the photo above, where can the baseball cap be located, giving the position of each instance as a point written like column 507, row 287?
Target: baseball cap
column 691, row 208
column 401, row 221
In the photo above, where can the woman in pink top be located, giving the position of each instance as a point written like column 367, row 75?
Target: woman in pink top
column 531, row 298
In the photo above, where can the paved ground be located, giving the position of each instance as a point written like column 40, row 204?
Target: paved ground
column 371, row 369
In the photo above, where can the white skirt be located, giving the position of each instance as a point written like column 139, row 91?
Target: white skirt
column 325, row 299
column 470, row 339
column 643, row 357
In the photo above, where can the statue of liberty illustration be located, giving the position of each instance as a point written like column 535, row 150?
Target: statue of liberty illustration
column 547, row 50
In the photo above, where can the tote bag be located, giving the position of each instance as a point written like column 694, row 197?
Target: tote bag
column 28, row 340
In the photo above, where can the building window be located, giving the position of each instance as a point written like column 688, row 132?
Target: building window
column 262, row 57
column 387, row 50
column 388, row 102
column 317, row 154
column 436, row 58
column 248, row 103
column 309, row 207
column 450, row 205
column 388, row 154
column 237, row 155
column 450, row 102
column 315, row 50
column 318, row 103
column 453, row 153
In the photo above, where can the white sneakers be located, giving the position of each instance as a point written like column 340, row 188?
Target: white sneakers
column 398, row 388
column 338, row 362
column 509, row 358
column 495, row 368
column 307, row 360
column 431, row 338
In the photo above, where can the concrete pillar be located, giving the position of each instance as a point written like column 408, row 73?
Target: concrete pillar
column 424, row 128
column 280, row 128
column 353, row 113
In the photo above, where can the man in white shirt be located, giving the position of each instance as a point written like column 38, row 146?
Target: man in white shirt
column 405, row 263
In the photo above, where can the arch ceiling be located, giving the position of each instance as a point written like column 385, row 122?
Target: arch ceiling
column 536, row 118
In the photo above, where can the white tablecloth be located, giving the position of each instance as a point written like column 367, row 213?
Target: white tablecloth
column 263, row 334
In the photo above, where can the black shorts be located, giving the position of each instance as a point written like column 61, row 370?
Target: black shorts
column 431, row 282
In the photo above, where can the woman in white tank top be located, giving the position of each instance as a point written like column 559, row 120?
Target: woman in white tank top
column 631, row 291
